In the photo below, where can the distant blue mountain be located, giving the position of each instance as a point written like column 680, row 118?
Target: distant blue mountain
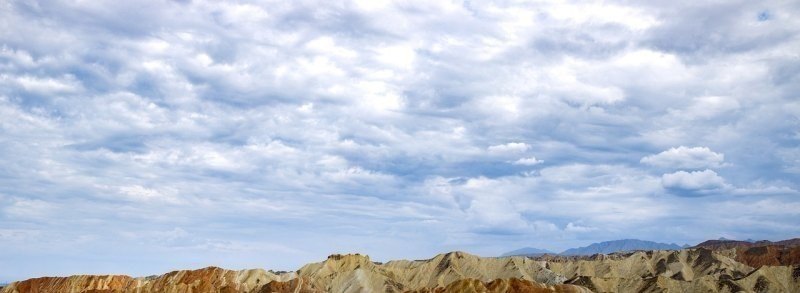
column 528, row 251
column 619, row 246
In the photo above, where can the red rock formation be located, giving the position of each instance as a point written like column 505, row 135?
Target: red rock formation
column 297, row 285
column 760, row 253
column 83, row 283
column 512, row 285
column 723, row 244
column 769, row 255
column 210, row 279
column 789, row 242
column 729, row 244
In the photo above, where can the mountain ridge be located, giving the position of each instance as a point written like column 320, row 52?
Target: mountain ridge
column 687, row 270
column 621, row 245
column 604, row 247
column 528, row 251
column 730, row 243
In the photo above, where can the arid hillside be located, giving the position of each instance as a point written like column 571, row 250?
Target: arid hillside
column 758, row 253
column 687, row 270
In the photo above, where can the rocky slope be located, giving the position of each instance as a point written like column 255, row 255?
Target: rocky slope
column 688, row 270
column 353, row 272
column 211, row 279
column 652, row 271
column 728, row 243
column 758, row 253
column 512, row 285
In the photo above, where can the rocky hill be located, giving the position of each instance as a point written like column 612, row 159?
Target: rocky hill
column 688, row 270
column 758, row 253
column 339, row 273
column 211, row 279
column 728, row 243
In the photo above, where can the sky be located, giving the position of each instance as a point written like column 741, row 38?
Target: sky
column 139, row 137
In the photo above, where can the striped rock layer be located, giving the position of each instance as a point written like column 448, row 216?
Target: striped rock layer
column 688, row 270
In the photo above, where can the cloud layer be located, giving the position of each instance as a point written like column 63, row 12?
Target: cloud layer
column 139, row 137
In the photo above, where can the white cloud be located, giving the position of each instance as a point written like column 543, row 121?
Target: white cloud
column 686, row 158
column 529, row 161
column 510, row 148
column 44, row 86
column 397, row 56
column 295, row 118
column 694, row 181
column 578, row 228
column 141, row 193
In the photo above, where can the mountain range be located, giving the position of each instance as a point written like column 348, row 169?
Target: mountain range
column 752, row 267
column 728, row 243
column 600, row 248
column 528, row 251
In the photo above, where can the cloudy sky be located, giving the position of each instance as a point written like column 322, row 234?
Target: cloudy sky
column 148, row 136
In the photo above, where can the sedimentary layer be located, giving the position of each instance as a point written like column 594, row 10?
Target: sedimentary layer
column 688, row 270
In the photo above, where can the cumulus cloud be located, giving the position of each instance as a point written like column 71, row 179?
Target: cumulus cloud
column 694, row 182
column 686, row 158
column 215, row 125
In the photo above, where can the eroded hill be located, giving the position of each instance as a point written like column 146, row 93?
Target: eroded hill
column 688, row 270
